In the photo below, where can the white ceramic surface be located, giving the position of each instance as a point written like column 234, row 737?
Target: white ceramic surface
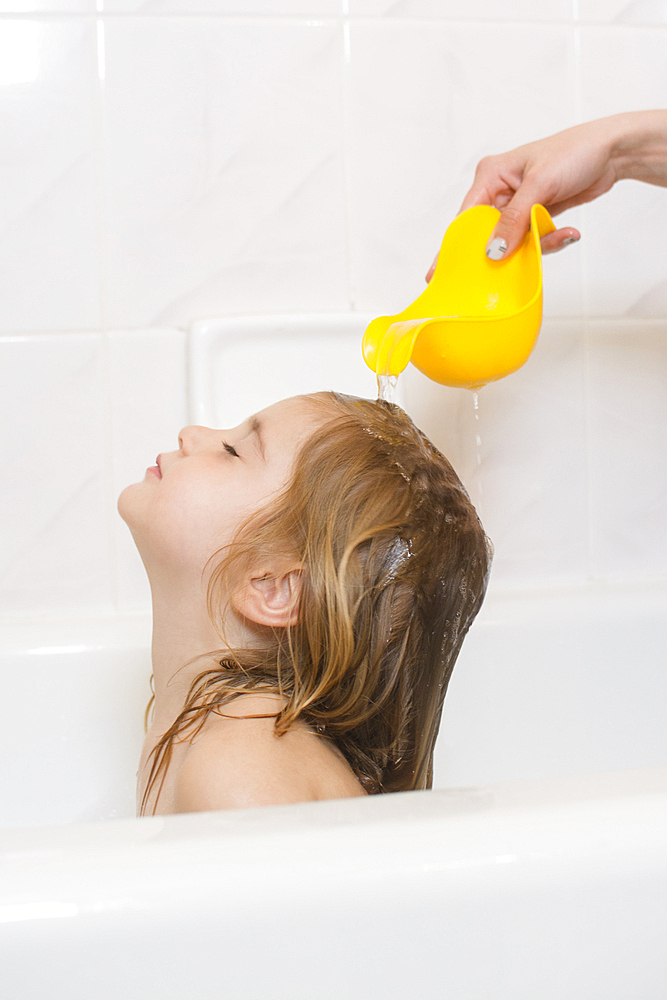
column 231, row 198
column 167, row 160
column 47, row 6
column 511, row 893
column 548, row 685
column 55, row 523
column 229, row 8
column 239, row 365
column 75, row 690
column 620, row 12
column 472, row 10
column 516, row 890
column 148, row 401
column 297, row 154
column 276, row 156
column 622, row 233
column 528, row 475
column 558, row 683
column 425, row 107
column 627, row 448
column 49, row 266
column 566, row 475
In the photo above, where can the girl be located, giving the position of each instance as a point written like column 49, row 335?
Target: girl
column 313, row 574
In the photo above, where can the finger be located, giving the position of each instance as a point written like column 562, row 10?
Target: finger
column 431, row 270
column 488, row 191
column 553, row 242
column 497, row 179
column 477, row 195
column 510, row 229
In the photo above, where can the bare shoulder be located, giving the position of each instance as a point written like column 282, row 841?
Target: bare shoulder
column 239, row 763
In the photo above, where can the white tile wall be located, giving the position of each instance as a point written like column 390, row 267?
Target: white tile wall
column 168, row 160
column 425, row 107
column 622, row 11
column 240, row 365
column 232, row 199
column 298, row 154
column 565, row 460
column 54, row 543
column 47, row 6
column 569, row 477
column 471, row 10
column 49, row 272
column 243, row 8
column 628, row 449
column 147, row 370
column 623, row 233
column 528, row 474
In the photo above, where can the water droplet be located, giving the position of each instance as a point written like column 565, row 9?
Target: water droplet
column 478, row 440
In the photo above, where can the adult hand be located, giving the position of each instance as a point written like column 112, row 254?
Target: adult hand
column 564, row 170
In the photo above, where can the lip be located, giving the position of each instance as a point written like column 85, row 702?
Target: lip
column 155, row 469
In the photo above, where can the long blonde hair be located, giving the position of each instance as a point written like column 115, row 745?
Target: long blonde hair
column 394, row 569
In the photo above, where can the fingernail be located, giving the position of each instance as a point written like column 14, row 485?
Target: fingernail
column 570, row 239
column 496, row 249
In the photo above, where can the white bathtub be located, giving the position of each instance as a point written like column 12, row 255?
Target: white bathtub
column 546, row 880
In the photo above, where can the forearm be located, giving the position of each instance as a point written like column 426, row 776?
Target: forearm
column 638, row 145
column 564, row 170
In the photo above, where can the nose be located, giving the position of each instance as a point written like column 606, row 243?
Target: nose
column 194, row 438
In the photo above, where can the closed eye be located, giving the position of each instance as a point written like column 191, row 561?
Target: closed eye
column 231, row 450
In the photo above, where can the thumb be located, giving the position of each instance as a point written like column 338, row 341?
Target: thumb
column 511, row 228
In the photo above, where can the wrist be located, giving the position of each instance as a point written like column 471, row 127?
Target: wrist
column 638, row 146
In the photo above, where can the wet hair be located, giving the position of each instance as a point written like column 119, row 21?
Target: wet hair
column 394, row 563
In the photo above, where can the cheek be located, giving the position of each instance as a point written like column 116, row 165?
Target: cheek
column 189, row 521
column 183, row 520
column 187, row 527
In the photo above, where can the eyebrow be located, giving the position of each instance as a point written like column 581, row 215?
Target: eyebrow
column 256, row 428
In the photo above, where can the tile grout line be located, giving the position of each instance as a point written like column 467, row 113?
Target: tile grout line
column 590, row 576
column 586, row 386
column 583, row 277
column 347, row 155
column 100, row 185
column 113, row 582
column 109, row 474
column 578, row 114
column 328, row 19
column 318, row 20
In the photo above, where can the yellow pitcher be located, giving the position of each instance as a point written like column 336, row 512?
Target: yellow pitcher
column 478, row 319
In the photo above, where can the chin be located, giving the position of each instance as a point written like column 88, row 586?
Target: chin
column 126, row 504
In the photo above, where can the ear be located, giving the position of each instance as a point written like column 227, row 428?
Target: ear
column 270, row 597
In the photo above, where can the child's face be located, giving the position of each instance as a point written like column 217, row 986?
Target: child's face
column 191, row 503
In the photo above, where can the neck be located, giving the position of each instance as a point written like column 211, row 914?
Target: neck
column 183, row 635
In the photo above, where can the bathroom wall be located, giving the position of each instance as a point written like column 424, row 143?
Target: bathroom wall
column 179, row 159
